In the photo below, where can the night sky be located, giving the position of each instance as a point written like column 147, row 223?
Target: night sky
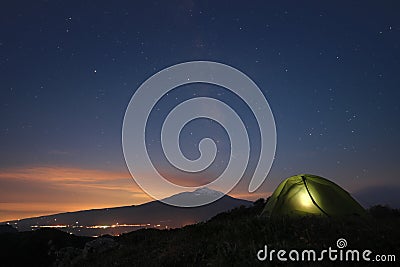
column 68, row 69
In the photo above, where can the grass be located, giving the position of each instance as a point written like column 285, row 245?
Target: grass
column 229, row 239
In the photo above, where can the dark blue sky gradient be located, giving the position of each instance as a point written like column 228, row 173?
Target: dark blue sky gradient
column 330, row 72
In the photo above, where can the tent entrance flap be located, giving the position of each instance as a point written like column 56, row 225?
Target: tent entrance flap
column 312, row 199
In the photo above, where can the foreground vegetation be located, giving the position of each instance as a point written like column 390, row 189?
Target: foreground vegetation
column 229, row 239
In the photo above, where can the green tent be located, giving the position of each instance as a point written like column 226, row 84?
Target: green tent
column 307, row 194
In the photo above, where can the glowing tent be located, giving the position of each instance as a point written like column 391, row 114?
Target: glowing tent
column 307, row 194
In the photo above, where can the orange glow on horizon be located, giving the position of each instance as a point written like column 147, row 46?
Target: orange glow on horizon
column 43, row 190
column 251, row 196
column 36, row 191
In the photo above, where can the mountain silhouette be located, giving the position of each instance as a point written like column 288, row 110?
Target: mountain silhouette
column 117, row 220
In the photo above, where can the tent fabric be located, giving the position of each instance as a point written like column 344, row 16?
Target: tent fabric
column 307, row 194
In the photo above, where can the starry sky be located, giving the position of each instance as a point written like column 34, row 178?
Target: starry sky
column 68, row 69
